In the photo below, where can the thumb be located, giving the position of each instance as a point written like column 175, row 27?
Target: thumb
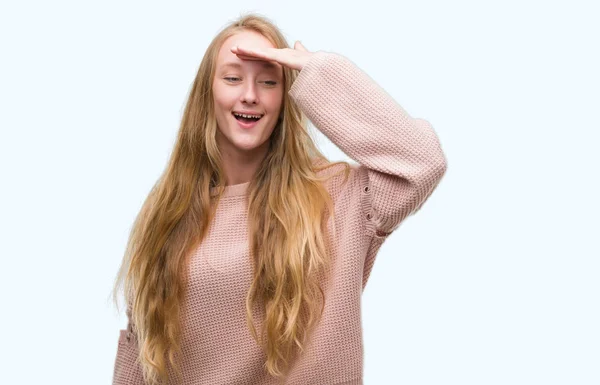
column 299, row 46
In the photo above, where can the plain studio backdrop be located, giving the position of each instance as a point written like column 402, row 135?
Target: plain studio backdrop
column 494, row 281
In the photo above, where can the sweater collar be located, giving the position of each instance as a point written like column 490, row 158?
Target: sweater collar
column 232, row 190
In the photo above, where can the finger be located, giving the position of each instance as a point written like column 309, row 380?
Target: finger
column 254, row 58
column 246, row 57
column 252, row 54
column 299, row 46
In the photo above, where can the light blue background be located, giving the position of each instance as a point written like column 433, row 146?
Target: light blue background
column 494, row 281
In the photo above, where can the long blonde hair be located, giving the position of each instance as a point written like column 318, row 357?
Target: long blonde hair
column 288, row 205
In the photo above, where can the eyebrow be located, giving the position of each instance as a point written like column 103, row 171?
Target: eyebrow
column 265, row 64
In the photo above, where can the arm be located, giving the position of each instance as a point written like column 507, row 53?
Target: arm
column 401, row 155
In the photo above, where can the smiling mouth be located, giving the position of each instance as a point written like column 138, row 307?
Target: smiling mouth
column 246, row 120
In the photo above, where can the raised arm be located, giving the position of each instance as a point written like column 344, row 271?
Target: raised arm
column 400, row 154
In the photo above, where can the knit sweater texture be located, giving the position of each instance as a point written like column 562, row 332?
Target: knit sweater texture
column 400, row 163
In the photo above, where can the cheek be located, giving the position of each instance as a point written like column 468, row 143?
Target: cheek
column 273, row 101
column 223, row 98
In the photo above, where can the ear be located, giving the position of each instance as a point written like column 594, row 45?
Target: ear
column 299, row 46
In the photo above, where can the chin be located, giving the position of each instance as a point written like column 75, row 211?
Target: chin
column 246, row 143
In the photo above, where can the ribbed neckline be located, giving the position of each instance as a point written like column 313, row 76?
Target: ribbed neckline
column 232, row 190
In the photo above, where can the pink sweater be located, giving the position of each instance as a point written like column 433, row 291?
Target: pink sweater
column 400, row 163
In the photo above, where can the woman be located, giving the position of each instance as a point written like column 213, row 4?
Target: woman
column 248, row 259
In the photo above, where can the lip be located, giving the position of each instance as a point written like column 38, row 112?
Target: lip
column 244, row 124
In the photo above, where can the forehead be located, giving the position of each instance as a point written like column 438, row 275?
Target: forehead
column 250, row 39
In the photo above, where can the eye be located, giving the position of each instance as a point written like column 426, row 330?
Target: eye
column 268, row 82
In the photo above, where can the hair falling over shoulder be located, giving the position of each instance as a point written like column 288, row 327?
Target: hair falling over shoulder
column 289, row 207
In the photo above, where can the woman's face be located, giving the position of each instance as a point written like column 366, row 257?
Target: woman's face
column 250, row 86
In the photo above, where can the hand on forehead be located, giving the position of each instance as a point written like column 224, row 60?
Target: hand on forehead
column 255, row 47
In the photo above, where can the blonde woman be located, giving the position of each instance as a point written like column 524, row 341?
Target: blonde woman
column 247, row 261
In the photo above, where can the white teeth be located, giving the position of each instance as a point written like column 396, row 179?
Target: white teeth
column 248, row 116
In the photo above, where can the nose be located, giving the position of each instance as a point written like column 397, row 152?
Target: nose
column 249, row 93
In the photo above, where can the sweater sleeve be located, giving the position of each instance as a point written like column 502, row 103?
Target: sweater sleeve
column 401, row 155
